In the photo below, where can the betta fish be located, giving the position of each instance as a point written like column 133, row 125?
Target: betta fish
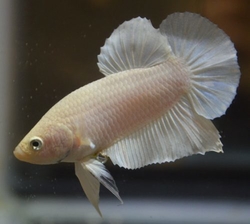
column 161, row 89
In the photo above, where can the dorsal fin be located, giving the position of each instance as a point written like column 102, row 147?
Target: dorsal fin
column 134, row 44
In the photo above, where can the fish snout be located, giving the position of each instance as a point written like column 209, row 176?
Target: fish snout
column 20, row 154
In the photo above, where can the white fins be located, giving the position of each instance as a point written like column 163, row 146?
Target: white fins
column 90, row 174
column 211, row 57
column 89, row 183
column 179, row 133
column 134, row 44
column 184, row 129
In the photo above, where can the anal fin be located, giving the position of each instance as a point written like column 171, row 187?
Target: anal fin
column 178, row 133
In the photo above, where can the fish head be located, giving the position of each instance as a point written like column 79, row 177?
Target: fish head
column 46, row 143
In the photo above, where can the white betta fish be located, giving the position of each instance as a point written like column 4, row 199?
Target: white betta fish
column 154, row 105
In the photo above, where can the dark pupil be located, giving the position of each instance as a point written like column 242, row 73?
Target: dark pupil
column 35, row 144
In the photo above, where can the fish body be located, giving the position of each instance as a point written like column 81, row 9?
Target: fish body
column 160, row 89
column 146, row 98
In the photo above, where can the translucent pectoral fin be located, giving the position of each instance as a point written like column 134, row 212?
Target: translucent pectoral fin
column 90, row 174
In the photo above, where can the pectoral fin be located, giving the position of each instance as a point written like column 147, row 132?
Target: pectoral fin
column 90, row 174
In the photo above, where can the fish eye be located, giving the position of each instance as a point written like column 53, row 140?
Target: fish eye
column 36, row 143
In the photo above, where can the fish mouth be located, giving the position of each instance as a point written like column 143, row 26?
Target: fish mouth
column 26, row 156
column 20, row 154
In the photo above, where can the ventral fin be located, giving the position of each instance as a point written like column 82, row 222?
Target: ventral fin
column 89, row 183
column 180, row 132
column 134, row 44
column 90, row 174
column 98, row 170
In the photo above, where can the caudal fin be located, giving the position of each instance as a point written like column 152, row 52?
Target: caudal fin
column 211, row 57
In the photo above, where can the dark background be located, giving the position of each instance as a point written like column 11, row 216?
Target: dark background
column 55, row 51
